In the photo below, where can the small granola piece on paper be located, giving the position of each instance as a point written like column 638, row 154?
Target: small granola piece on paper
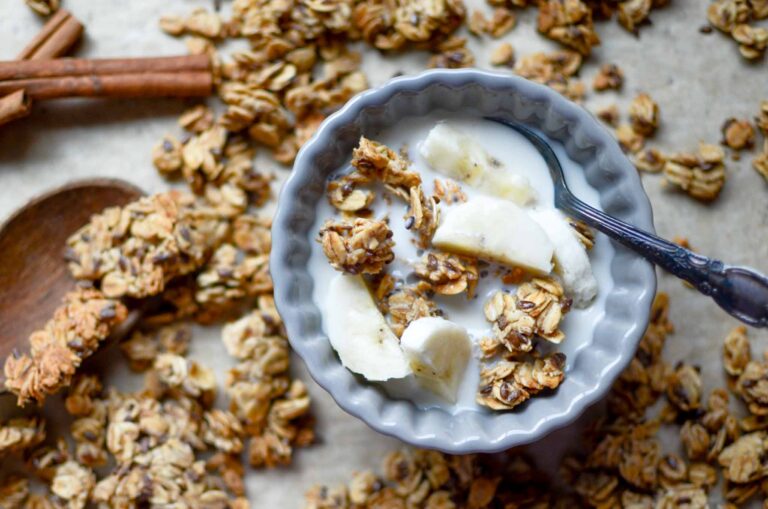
column 569, row 23
column 448, row 274
column 453, row 53
column 362, row 246
column 85, row 318
column 736, row 351
column 644, row 115
column 557, row 70
column 738, row 133
column 701, row 176
column 503, row 54
column 650, row 160
column 609, row 114
column 508, row 384
column 629, row 140
column 610, row 77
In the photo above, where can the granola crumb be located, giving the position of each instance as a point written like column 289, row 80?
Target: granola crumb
column 610, row 77
column 503, row 54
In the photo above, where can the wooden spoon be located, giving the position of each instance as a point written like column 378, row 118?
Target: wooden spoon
column 33, row 274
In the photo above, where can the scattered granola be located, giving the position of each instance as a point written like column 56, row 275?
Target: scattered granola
column 738, row 134
column 644, row 115
column 733, row 17
column 569, row 23
column 556, row 70
column 610, row 115
column 610, row 77
column 701, row 176
column 630, row 140
column 650, row 160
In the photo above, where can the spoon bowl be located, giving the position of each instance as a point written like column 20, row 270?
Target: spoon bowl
column 33, row 272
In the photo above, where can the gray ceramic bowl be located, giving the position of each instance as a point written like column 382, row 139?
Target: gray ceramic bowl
column 609, row 348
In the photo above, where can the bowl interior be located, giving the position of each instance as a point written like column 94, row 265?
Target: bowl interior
column 597, row 361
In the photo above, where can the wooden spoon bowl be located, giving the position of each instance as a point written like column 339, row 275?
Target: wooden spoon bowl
column 33, row 273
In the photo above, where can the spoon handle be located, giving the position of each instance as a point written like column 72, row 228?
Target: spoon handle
column 740, row 291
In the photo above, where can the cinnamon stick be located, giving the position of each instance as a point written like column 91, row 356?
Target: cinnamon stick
column 14, row 105
column 29, row 69
column 56, row 38
column 143, row 84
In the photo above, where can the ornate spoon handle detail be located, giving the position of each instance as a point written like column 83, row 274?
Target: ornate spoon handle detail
column 740, row 291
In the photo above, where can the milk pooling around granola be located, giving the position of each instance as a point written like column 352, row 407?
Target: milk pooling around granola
column 516, row 155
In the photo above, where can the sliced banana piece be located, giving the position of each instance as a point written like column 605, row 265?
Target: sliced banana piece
column 438, row 351
column 571, row 258
column 360, row 334
column 497, row 230
column 458, row 156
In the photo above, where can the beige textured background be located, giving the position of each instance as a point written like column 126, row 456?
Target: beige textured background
column 698, row 81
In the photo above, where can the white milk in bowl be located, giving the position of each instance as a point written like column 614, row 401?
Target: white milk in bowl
column 515, row 179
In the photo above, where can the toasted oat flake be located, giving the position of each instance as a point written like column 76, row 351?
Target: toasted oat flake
column 503, row 54
column 610, row 77
column 738, row 134
column 644, row 115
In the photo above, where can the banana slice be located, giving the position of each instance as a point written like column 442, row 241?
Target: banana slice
column 360, row 334
column 438, row 351
column 498, row 230
column 458, row 156
column 571, row 258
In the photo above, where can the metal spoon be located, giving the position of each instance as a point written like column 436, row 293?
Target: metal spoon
column 33, row 272
column 741, row 292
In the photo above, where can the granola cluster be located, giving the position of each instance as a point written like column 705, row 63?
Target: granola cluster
column 168, row 442
column 298, row 66
column 85, row 318
column 734, row 17
column 135, row 250
column 571, row 22
column 363, row 246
